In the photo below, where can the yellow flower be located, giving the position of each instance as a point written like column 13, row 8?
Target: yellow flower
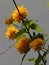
column 37, row 44
column 15, row 14
column 23, row 11
column 11, row 32
column 8, row 21
column 22, row 45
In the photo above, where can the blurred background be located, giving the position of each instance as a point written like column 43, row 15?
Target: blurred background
column 36, row 8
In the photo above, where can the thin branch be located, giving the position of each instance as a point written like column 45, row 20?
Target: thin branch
column 41, row 16
column 7, row 49
column 17, row 26
column 45, row 43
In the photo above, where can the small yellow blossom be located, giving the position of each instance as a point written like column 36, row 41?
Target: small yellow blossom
column 23, row 11
column 8, row 21
column 11, row 32
column 37, row 44
column 22, row 45
column 15, row 14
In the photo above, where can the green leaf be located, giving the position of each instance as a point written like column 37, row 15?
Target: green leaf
column 38, row 60
column 44, row 57
column 36, row 27
column 31, row 22
column 28, row 23
column 39, row 29
column 21, row 32
column 32, row 59
column 33, row 26
column 45, row 34
column 39, row 35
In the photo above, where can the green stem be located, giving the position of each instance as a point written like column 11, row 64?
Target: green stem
column 42, row 58
column 24, row 57
column 28, row 31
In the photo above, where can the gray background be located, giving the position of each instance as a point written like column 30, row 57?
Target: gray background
column 36, row 8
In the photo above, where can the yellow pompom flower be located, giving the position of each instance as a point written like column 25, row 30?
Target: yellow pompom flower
column 22, row 45
column 11, row 32
column 23, row 11
column 15, row 14
column 37, row 44
column 8, row 21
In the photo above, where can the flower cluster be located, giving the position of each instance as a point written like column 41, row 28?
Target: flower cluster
column 25, row 42
column 15, row 15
